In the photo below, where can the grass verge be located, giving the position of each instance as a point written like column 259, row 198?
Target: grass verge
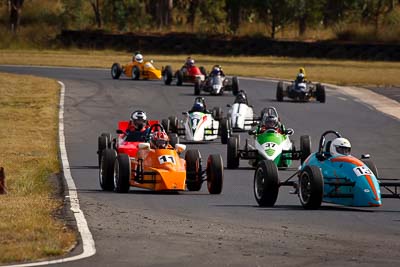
column 341, row 72
column 28, row 152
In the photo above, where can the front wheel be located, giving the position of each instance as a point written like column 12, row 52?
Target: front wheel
column 179, row 78
column 167, row 76
column 224, row 130
column 320, row 93
column 279, row 92
column 122, row 172
column 173, row 139
column 116, row 71
column 217, row 113
column 311, row 187
column 266, row 183
column 197, row 87
column 235, row 85
column 233, row 152
column 193, row 170
column 305, row 147
column 215, row 174
column 106, row 171
column 135, row 73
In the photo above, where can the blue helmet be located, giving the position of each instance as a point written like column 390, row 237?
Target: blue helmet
column 198, row 106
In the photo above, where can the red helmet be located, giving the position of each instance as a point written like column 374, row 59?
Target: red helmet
column 159, row 140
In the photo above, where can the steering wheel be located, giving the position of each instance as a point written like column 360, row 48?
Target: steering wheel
column 322, row 140
column 152, row 129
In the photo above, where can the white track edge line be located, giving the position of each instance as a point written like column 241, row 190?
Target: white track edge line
column 88, row 244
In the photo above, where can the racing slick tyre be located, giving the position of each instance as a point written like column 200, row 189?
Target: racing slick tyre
column 197, row 84
column 217, row 113
column 135, row 73
column 173, row 139
column 179, row 78
column 305, row 147
column 193, row 170
column 173, row 124
column 166, row 125
column 215, row 174
column 235, row 85
column 266, row 183
column 279, row 92
column 371, row 165
column 320, row 93
column 224, row 130
column 233, row 152
column 122, row 172
column 311, row 187
column 106, row 172
column 104, row 141
column 167, row 75
column 203, row 71
column 116, row 71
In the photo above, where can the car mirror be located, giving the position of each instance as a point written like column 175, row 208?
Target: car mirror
column 252, row 132
column 365, row 156
column 228, row 105
column 180, row 148
column 144, row 146
column 320, row 156
column 251, row 106
column 119, row 131
column 289, row 131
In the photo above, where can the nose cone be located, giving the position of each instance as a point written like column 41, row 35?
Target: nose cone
column 368, row 193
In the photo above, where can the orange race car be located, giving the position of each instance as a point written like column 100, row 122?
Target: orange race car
column 136, row 69
column 161, row 169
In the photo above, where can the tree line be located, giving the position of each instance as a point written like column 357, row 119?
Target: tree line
column 215, row 16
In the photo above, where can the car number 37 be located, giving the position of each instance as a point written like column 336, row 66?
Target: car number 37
column 166, row 159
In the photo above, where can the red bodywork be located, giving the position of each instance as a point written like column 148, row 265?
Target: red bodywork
column 191, row 74
column 129, row 148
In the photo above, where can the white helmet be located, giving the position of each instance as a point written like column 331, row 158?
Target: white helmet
column 340, row 147
column 139, row 119
column 139, row 58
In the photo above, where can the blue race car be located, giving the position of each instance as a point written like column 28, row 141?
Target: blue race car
column 329, row 175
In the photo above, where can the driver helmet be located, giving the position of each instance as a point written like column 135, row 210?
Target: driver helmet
column 159, row 139
column 241, row 97
column 198, row 106
column 139, row 58
column 271, row 122
column 139, row 119
column 302, row 70
column 300, row 77
column 340, row 147
column 190, row 62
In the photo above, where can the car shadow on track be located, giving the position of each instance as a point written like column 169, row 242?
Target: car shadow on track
column 88, row 167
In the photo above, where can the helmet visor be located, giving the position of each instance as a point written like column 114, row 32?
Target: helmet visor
column 343, row 150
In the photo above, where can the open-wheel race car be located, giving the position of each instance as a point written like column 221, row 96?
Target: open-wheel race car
column 241, row 116
column 301, row 91
column 329, row 175
column 271, row 144
column 160, row 168
column 200, row 124
column 136, row 71
column 216, row 85
column 183, row 75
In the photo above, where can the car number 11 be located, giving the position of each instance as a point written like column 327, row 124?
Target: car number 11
column 166, row 158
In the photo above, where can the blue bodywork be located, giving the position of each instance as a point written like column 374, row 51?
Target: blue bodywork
column 347, row 180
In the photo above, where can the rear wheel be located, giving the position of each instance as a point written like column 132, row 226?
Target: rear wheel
column 122, row 172
column 320, row 93
column 224, row 130
column 235, row 85
column 173, row 124
column 279, row 92
column 167, row 77
column 179, row 77
column 233, row 152
column 173, row 139
column 106, row 171
column 203, row 71
column 266, row 183
column 193, row 170
column 311, row 187
column 104, row 141
column 197, row 87
column 135, row 73
column 116, row 71
column 217, row 113
column 166, row 125
column 215, row 174
column 305, row 147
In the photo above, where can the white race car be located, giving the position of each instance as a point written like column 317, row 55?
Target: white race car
column 241, row 116
column 198, row 126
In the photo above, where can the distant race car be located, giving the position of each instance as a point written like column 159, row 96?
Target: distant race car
column 343, row 180
column 216, row 85
column 241, row 116
column 302, row 91
column 109, row 148
column 198, row 126
column 136, row 71
column 269, row 145
column 183, row 75
column 162, row 169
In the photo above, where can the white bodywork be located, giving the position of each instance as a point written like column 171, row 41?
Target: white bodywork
column 241, row 116
column 200, row 127
column 278, row 148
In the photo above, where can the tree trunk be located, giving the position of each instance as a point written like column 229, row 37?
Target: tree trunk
column 15, row 9
column 194, row 4
column 97, row 14
column 273, row 26
column 302, row 25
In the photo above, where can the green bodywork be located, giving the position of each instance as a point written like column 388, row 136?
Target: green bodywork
column 277, row 138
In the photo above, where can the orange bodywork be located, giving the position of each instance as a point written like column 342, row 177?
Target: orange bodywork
column 147, row 70
column 163, row 170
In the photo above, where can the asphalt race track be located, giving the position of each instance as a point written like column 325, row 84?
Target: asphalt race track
column 142, row 228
